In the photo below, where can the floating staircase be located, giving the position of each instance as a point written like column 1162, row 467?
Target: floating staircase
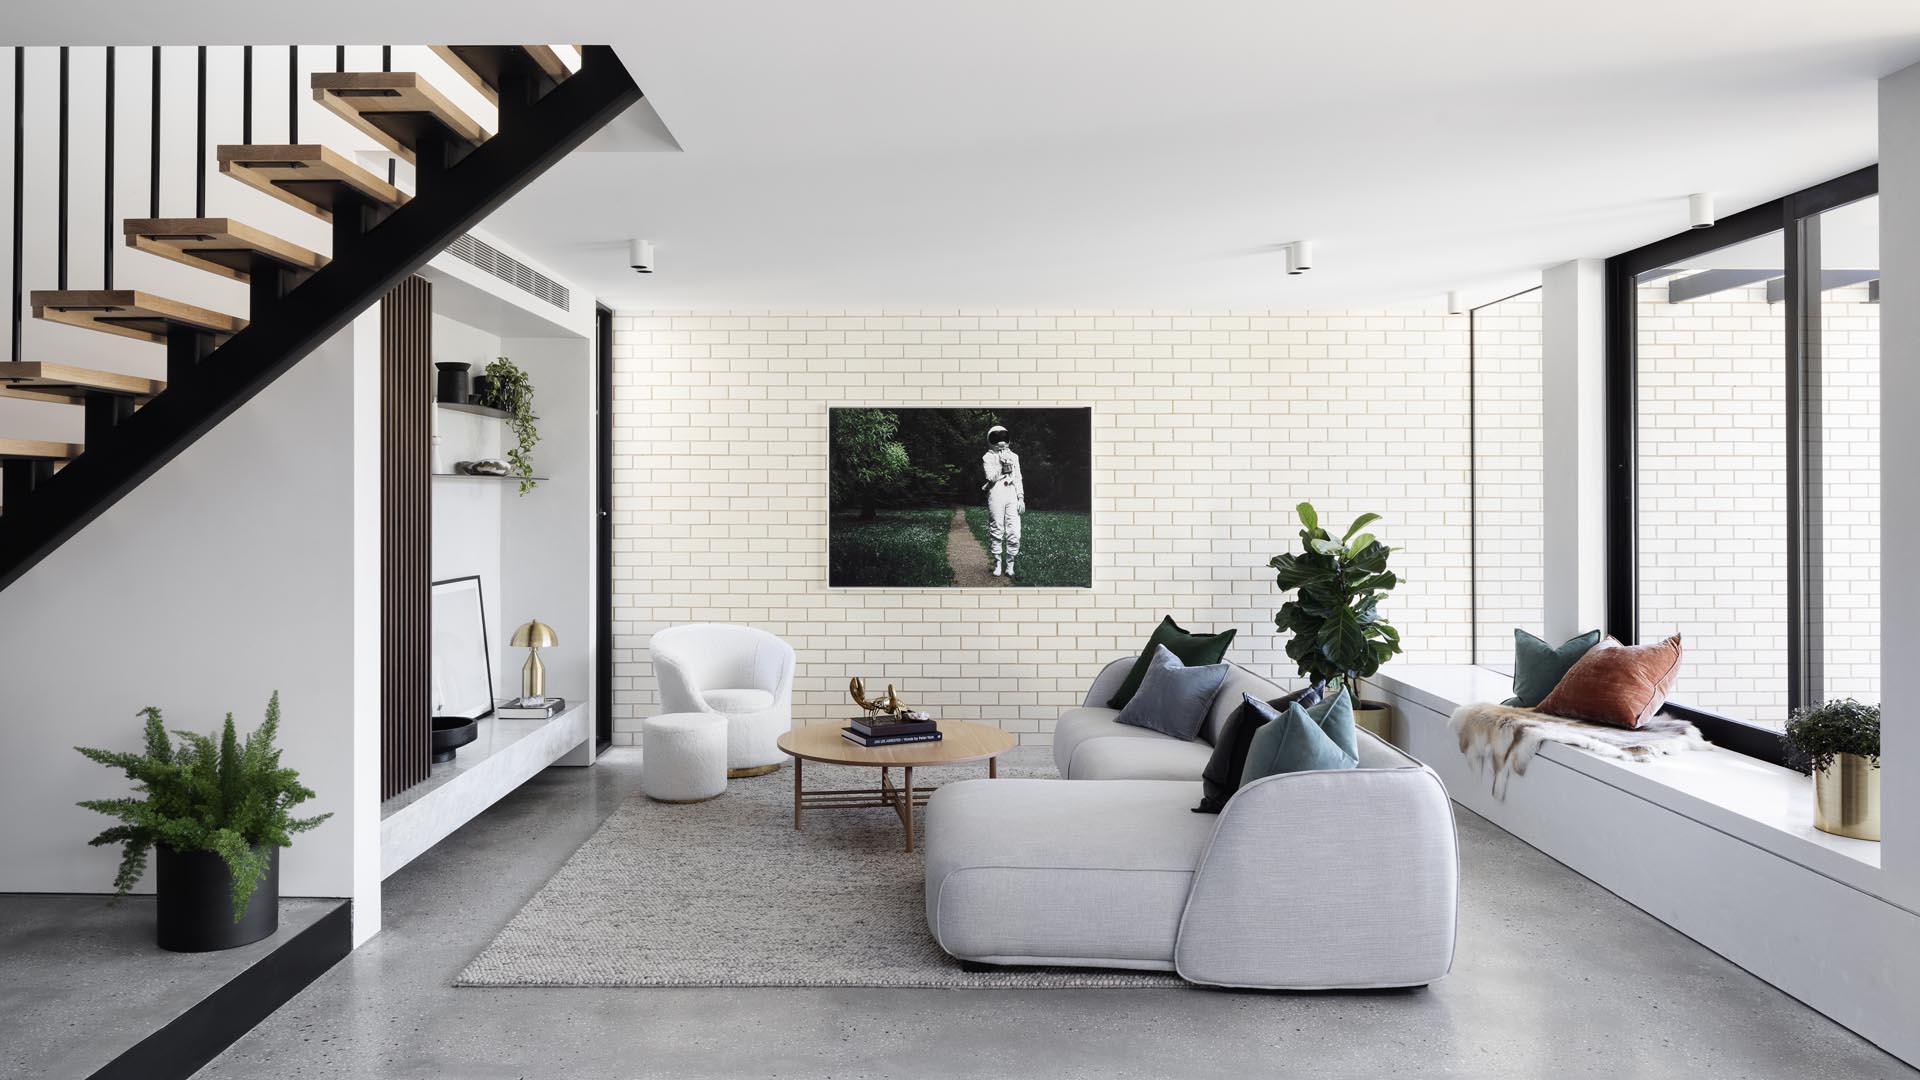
column 297, row 298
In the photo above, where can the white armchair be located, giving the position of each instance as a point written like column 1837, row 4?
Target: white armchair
column 743, row 674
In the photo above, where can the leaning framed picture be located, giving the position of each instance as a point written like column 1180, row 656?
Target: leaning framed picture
column 966, row 497
column 462, row 659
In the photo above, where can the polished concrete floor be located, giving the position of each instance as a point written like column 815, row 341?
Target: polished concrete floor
column 1555, row 978
column 81, row 980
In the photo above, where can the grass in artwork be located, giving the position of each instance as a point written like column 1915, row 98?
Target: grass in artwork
column 1056, row 547
column 901, row 549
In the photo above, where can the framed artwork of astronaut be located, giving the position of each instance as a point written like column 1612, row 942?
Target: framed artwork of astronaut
column 969, row 498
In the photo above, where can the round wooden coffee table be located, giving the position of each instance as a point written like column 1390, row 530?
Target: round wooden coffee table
column 960, row 742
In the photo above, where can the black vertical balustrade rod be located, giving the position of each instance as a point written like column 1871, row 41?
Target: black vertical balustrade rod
column 61, row 218
column 246, row 94
column 106, row 186
column 153, row 139
column 19, row 185
column 293, row 94
column 386, row 58
column 339, row 58
column 200, row 143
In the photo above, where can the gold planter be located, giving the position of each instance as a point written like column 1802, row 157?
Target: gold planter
column 1376, row 717
column 1846, row 797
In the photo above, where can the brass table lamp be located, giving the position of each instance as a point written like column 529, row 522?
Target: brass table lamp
column 535, row 636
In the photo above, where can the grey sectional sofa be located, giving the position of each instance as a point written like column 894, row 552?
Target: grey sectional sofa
column 1317, row 880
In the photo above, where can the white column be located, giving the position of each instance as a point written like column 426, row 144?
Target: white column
column 1900, row 482
column 1573, row 454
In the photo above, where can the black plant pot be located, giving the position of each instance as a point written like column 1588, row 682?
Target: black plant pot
column 450, row 733
column 195, row 902
column 483, row 391
column 451, row 383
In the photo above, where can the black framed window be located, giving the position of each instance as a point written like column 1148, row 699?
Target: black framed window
column 1743, row 457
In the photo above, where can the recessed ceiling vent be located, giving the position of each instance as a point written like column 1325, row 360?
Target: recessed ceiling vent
column 492, row 260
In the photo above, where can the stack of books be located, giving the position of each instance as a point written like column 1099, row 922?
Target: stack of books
column 883, row 729
column 532, row 708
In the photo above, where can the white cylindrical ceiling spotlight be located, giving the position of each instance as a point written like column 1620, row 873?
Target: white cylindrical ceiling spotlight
column 640, row 256
column 1454, row 307
column 1299, row 256
column 1700, row 210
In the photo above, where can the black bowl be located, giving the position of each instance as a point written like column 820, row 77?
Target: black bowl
column 450, row 733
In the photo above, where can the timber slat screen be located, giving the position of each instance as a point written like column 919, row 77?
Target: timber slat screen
column 406, row 421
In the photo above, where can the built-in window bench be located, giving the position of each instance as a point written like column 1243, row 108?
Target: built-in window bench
column 1715, row 844
column 503, row 755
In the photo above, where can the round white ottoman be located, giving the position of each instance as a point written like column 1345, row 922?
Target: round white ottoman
column 683, row 756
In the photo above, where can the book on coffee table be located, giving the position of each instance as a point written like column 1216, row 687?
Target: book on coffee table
column 858, row 739
column 884, row 725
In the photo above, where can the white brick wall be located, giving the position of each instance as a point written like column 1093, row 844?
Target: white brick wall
column 1712, row 479
column 1207, row 430
column 1509, row 512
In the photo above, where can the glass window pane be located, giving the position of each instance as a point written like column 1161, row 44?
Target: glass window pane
column 1711, row 475
column 1507, row 512
column 1845, row 458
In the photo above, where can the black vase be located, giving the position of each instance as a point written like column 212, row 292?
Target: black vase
column 195, row 902
column 483, row 391
column 451, row 384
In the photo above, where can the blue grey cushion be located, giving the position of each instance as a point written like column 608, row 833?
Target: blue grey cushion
column 1173, row 698
column 1303, row 740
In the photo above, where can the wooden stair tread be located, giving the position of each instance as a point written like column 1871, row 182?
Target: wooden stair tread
column 395, row 108
column 128, row 313
column 481, row 65
column 39, row 450
column 70, row 380
column 12, row 393
column 308, row 176
column 220, row 245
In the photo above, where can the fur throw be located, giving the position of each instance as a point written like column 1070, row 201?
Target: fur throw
column 1506, row 738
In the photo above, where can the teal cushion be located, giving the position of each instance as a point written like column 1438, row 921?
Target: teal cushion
column 1304, row 740
column 1538, row 667
column 1194, row 650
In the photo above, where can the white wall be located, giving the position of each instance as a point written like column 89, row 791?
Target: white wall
column 466, row 513
column 1900, row 487
column 1208, row 429
column 230, row 574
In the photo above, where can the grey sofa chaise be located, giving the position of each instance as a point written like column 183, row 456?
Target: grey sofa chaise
column 1315, row 880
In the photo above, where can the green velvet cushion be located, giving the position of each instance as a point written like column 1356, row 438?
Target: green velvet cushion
column 1304, row 740
column 1538, row 667
column 1194, row 650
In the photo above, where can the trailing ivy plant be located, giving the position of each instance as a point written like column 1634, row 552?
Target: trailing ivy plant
column 227, row 798
column 1338, row 633
column 1817, row 734
column 512, row 392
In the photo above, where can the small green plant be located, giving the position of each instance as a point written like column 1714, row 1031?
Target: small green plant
column 226, row 798
column 512, row 392
column 1338, row 632
column 1817, row 734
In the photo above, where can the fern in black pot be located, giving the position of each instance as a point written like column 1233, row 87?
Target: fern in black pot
column 216, row 814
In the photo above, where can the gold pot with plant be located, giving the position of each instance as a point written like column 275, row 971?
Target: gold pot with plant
column 1839, row 743
column 1338, row 633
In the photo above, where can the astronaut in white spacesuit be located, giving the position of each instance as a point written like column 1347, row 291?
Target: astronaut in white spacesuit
column 1006, row 499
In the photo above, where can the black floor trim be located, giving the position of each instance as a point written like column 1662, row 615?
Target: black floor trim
column 197, row 1036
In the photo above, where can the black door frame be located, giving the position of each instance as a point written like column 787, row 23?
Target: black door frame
column 603, row 527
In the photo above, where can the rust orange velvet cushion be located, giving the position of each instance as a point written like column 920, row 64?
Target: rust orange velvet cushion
column 1622, row 685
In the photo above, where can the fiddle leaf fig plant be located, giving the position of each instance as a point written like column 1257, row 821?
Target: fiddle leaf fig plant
column 1338, row 633
column 512, row 392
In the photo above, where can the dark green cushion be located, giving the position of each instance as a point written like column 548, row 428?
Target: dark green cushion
column 1538, row 667
column 1304, row 740
column 1194, row 650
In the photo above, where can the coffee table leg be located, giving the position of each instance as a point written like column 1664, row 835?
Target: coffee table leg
column 907, row 803
column 993, row 768
column 797, row 763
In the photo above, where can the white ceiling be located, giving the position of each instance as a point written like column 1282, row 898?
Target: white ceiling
column 841, row 154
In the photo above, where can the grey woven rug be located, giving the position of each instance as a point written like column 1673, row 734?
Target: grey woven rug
column 726, row 893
